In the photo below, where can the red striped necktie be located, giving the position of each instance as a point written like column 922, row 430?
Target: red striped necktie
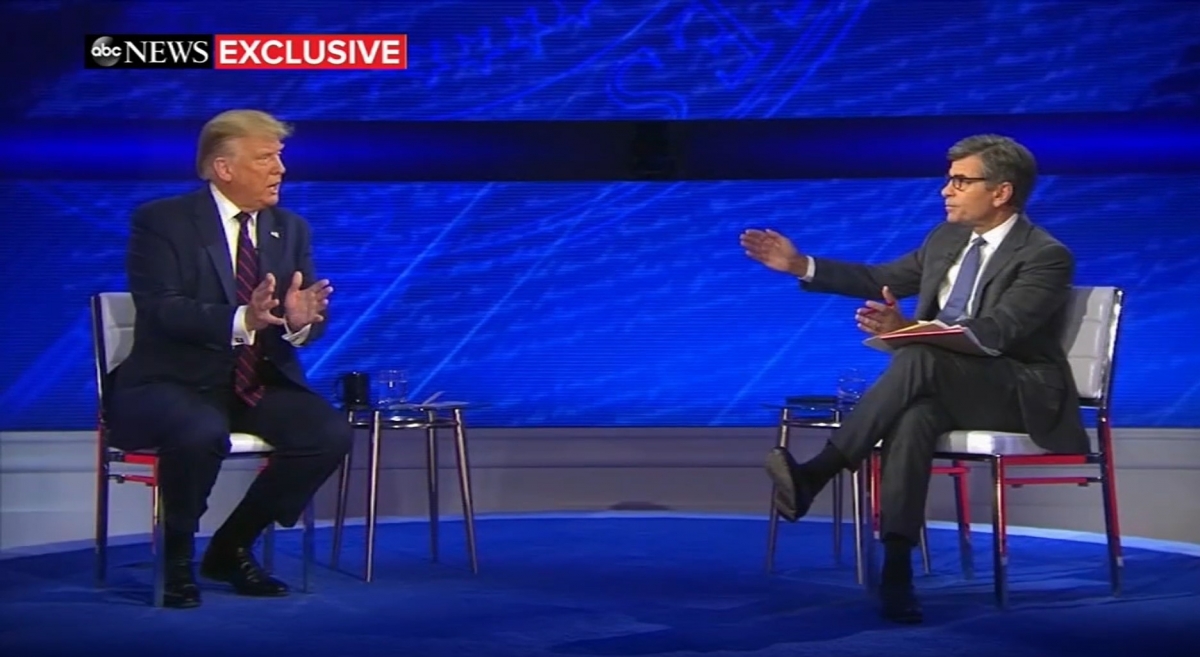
column 246, row 381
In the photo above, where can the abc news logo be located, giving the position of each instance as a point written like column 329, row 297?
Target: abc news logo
column 148, row 51
column 247, row 51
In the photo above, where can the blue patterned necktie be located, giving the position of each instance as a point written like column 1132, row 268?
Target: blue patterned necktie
column 956, row 305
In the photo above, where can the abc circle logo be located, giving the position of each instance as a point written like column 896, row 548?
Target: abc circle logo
column 103, row 51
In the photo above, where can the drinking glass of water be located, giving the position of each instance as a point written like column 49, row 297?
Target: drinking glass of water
column 391, row 388
column 850, row 388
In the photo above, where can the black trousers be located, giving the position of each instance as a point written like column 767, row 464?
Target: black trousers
column 923, row 393
column 191, row 428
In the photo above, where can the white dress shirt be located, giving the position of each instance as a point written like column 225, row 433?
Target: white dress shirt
column 993, row 238
column 228, row 213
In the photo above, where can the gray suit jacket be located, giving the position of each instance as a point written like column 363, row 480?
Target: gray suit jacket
column 1020, row 306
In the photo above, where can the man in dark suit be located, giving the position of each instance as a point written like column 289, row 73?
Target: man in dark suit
column 987, row 268
column 225, row 291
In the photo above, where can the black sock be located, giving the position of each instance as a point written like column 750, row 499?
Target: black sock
column 178, row 545
column 897, row 561
column 240, row 530
column 825, row 465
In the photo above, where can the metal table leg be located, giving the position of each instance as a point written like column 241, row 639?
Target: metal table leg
column 431, row 476
column 464, row 482
column 373, row 492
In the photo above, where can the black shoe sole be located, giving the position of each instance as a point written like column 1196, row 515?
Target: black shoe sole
column 180, row 602
column 780, row 471
column 259, row 593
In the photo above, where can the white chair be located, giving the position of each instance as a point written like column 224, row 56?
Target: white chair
column 1090, row 338
column 113, row 316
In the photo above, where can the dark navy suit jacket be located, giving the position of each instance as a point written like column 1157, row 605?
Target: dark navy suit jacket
column 182, row 282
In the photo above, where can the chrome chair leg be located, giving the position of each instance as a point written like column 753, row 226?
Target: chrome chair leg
column 431, row 484
column 867, row 572
column 1112, row 527
column 268, row 536
column 772, row 513
column 856, row 505
column 838, row 486
column 339, row 512
column 309, row 547
column 925, row 549
column 464, row 482
column 963, row 515
column 102, row 498
column 999, row 538
column 772, row 531
column 268, row 551
column 158, row 542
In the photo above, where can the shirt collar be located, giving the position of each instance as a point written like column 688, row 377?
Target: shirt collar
column 226, row 209
column 996, row 235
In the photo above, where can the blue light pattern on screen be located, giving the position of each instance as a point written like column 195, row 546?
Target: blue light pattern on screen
column 673, row 59
column 600, row 304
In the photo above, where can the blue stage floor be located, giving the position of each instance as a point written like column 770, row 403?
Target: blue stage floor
column 613, row 584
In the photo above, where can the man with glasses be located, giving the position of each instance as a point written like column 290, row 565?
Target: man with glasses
column 988, row 268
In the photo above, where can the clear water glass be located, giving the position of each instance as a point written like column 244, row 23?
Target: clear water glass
column 391, row 388
column 850, row 388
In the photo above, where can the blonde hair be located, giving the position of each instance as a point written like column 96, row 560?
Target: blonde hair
column 233, row 124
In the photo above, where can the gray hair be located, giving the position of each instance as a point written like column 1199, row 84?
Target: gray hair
column 1004, row 161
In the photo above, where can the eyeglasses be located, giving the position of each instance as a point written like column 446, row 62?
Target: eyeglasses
column 961, row 182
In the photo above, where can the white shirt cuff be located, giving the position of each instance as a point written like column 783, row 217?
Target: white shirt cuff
column 297, row 338
column 811, row 271
column 240, row 335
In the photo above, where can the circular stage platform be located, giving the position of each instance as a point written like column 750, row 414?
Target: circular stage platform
column 615, row 584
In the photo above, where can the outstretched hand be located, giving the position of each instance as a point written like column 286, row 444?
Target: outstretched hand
column 771, row 249
column 881, row 317
column 306, row 306
column 262, row 302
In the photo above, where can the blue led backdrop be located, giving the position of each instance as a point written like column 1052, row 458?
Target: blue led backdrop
column 668, row 59
column 602, row 303
column 602, row 300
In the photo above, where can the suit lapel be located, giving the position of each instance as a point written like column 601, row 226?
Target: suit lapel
column 937, row 264
column 1004, row 254
column 212, row 236
column 270, row 248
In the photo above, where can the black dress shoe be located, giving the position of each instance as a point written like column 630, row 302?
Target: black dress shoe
column 179, row 585
column 899, row 604
column 793, row 494
column 240, row 569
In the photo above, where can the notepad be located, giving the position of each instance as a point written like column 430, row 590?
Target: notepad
column 936, row 334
